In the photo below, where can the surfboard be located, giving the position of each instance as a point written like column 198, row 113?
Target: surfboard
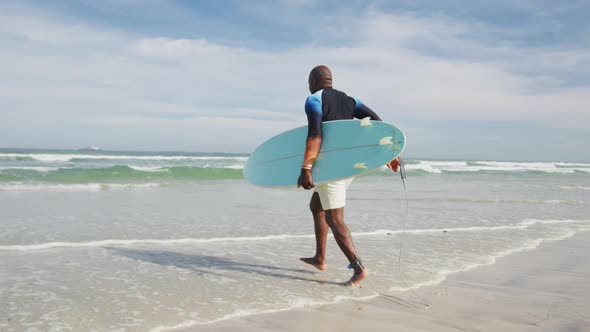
column 349, row 148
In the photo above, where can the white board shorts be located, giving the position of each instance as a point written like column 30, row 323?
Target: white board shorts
column 333, row 194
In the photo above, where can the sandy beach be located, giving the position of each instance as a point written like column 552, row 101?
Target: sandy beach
column 545, row 289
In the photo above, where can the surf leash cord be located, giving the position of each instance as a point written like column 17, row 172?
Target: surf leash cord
column 422, row 303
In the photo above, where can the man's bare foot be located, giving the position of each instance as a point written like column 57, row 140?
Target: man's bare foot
column 360, row 273
column 315, row 262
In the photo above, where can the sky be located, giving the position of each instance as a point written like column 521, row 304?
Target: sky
column 493, row 80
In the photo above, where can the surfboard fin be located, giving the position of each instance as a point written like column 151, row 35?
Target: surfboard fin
column 386, row 141
column 360, row 166
column 366, row 122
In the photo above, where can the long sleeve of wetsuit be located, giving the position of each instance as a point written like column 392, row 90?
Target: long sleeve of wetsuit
column 313, row 110
column 362, row 111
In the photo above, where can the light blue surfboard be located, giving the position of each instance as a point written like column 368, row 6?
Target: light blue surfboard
column 349, row 148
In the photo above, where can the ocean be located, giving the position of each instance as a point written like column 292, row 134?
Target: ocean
column 137, row 241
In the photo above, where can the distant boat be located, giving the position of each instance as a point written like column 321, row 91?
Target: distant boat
column 91, row 148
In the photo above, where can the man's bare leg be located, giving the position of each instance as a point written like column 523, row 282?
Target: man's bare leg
column 321, row 234
column 335, row 219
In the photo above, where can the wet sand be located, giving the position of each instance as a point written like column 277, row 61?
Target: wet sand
column 546, row 289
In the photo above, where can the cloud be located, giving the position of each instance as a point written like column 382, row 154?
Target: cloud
column 72, row 81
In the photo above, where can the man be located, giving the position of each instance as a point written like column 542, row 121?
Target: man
column 328, row 200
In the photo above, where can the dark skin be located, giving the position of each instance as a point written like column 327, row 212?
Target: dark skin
column 319, row 78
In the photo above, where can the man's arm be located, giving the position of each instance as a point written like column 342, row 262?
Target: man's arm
column 314, row 138
column 313, row 109
column 362, row 111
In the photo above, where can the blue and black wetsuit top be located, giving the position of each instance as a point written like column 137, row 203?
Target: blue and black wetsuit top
column 329, row 105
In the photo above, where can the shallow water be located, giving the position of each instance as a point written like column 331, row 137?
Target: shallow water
column 136, row 254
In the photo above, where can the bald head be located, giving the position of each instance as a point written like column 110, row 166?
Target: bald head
column 319, row 78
